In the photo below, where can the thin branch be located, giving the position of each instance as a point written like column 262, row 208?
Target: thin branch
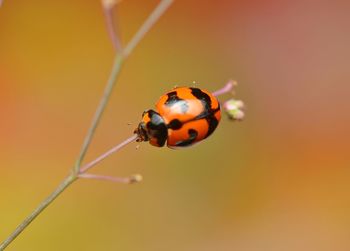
column 227, row 88
column 111, row 24
column 69, row 180
column 147, row 25
column 117, row 65
column 65, row 183
column 118, row 62
column 125, row 180
column 114, row 149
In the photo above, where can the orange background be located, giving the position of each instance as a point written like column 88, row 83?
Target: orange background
column 277, row 181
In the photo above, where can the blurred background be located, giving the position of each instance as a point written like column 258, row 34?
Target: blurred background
column 279, row 180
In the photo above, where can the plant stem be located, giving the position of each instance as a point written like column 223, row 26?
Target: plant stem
column 68, row 181
column 114, row 149
column 124, row 180
column 112, row 26
column 118, row 62
column 65, row 183
column 147, row 25
column 227, row 88
column 117, row 65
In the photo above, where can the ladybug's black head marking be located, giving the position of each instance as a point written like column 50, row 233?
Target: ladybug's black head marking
column 141, row 132
column 152, row 128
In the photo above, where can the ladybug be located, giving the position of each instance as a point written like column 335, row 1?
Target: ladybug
column 183, row 117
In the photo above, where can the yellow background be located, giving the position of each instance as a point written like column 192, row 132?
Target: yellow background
column 277, row 181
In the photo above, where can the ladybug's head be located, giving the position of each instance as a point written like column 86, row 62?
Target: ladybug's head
column 152, row 128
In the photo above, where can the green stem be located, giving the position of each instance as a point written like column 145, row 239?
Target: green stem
column 65, row 183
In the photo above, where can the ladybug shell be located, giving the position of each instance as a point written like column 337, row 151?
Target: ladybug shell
column 190, row 114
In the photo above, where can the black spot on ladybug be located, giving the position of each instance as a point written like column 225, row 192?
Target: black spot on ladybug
column 212, row 122
column 208, row 114
column 192, row 137
column 172, row 98
column 202, row 96
column 175, row 124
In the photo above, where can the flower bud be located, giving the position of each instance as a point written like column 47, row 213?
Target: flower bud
column 234, row 109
